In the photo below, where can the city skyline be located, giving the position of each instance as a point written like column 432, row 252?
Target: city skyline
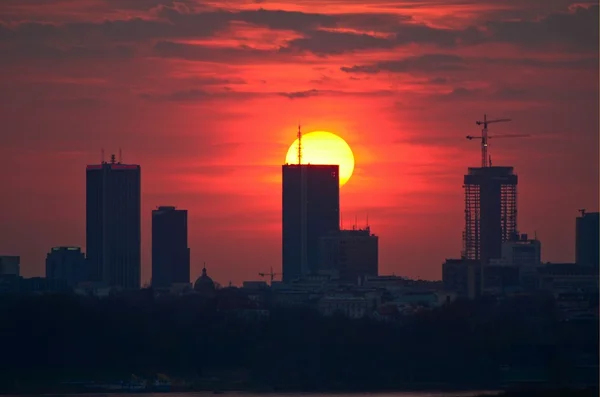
column 211, row 136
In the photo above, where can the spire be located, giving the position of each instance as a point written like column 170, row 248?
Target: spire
column 299, row 145
column 204, row 269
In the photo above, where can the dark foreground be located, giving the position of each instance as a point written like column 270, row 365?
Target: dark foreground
column 200, row 344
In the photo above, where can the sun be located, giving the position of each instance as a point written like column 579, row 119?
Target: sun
column 322, row 147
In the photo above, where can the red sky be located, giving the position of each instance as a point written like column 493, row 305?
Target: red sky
column 206, row 96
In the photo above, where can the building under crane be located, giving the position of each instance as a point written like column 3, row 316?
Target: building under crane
column 490, row 202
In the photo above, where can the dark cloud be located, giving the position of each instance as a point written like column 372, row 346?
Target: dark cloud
column 423, row 63
column 192, row 52
column 519, row 94
column 199, row 95
column 430, row 63
column 323, row 42
column 577, row 30
column 286, row 20
column 33, row 50
column 212, row 80
column 300, row 94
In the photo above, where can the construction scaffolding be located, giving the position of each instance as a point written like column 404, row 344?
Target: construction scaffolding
column 490, row 211
column 471, row 235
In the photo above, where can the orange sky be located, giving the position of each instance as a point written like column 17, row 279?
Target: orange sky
column 206, row 96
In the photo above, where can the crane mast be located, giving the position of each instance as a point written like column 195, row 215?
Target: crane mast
column 485, row 137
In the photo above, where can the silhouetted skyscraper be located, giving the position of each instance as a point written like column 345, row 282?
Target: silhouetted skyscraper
column 587, row 239
column 66, row 264
column 310, row 209
column 170, row 252
column 490, row 211
column 113, row 230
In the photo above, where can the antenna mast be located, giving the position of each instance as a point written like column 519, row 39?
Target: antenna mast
column 120, row 156
column 299, row 145
column 102, row 156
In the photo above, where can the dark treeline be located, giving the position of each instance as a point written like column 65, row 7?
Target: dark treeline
column 464, row 344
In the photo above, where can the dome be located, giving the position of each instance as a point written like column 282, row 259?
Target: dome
column 204, row 283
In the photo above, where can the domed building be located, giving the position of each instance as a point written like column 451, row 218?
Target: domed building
column 204, row 284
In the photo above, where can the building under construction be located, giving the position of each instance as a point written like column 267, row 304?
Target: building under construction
column 490, row 202
column 490, row 211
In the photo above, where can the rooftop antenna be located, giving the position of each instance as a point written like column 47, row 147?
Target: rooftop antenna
column 299, row 144
column 102, row 156
column 355, row 222
column 120, row 156
column 582, row 211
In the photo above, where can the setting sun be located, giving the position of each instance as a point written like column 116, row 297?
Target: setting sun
column 322, row 147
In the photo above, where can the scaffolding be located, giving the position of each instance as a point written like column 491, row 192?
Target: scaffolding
column 471, row 235
column 490, row 211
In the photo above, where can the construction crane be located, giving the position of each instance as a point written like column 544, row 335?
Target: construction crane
column 486, row 161
column 270, row 274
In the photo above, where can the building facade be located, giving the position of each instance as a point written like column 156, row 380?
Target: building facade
column 351, row 253
column 587, row 239
column 310, row 210
column 113, row 224
column 170, row 252
column 490, row 211
column 66, row 264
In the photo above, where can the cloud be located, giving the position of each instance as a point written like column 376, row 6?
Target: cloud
column 576, row 30
column 195, row 95
column 300, row 94
column 193, row 52
column 33, row 50
column 199, row 95
column 422, row 63
column 430, row 63
column 324, row 42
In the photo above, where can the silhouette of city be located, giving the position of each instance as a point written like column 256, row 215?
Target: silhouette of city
column 331, row 292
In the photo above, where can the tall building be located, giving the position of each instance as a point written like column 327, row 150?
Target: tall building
column 170, row 252
column 490, row 211
column 66, row 264
column 351, row 253
column 113, row 229
column 310, row 210
column 587, row 239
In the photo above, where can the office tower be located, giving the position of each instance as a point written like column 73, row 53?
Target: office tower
column 350, row 253
column 311, row 209
column 170, row 252
column 66, row 264
column 587, row 239
column 10, row 265
column 113, row 239
column 490, row 211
